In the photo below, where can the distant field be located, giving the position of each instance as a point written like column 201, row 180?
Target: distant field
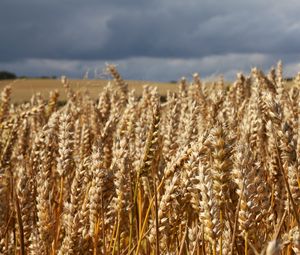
column 22, row 90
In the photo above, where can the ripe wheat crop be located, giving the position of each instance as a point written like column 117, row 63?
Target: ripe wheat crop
column 212, row 170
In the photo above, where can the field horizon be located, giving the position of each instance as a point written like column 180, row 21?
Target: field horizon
column 23, row 89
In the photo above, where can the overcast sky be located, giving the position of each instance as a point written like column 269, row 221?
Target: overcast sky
column 148, row 39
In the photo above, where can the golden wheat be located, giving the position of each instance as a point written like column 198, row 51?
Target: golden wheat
column 210, row 170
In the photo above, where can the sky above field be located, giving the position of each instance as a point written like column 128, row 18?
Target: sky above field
column 148, row 39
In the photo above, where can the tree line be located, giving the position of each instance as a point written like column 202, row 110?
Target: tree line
column 6, row 75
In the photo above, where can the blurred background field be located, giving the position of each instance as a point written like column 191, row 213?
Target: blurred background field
column 23, row 89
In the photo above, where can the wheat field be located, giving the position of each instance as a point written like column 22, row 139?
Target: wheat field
column 23, row 89
column 213, row 169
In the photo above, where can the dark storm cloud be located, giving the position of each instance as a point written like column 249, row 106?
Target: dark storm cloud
column 58, row 29
column 95, row 31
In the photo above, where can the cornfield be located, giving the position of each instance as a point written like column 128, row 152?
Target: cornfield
column 209, row 170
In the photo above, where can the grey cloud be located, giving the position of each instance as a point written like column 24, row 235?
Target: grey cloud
column 121, row 31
